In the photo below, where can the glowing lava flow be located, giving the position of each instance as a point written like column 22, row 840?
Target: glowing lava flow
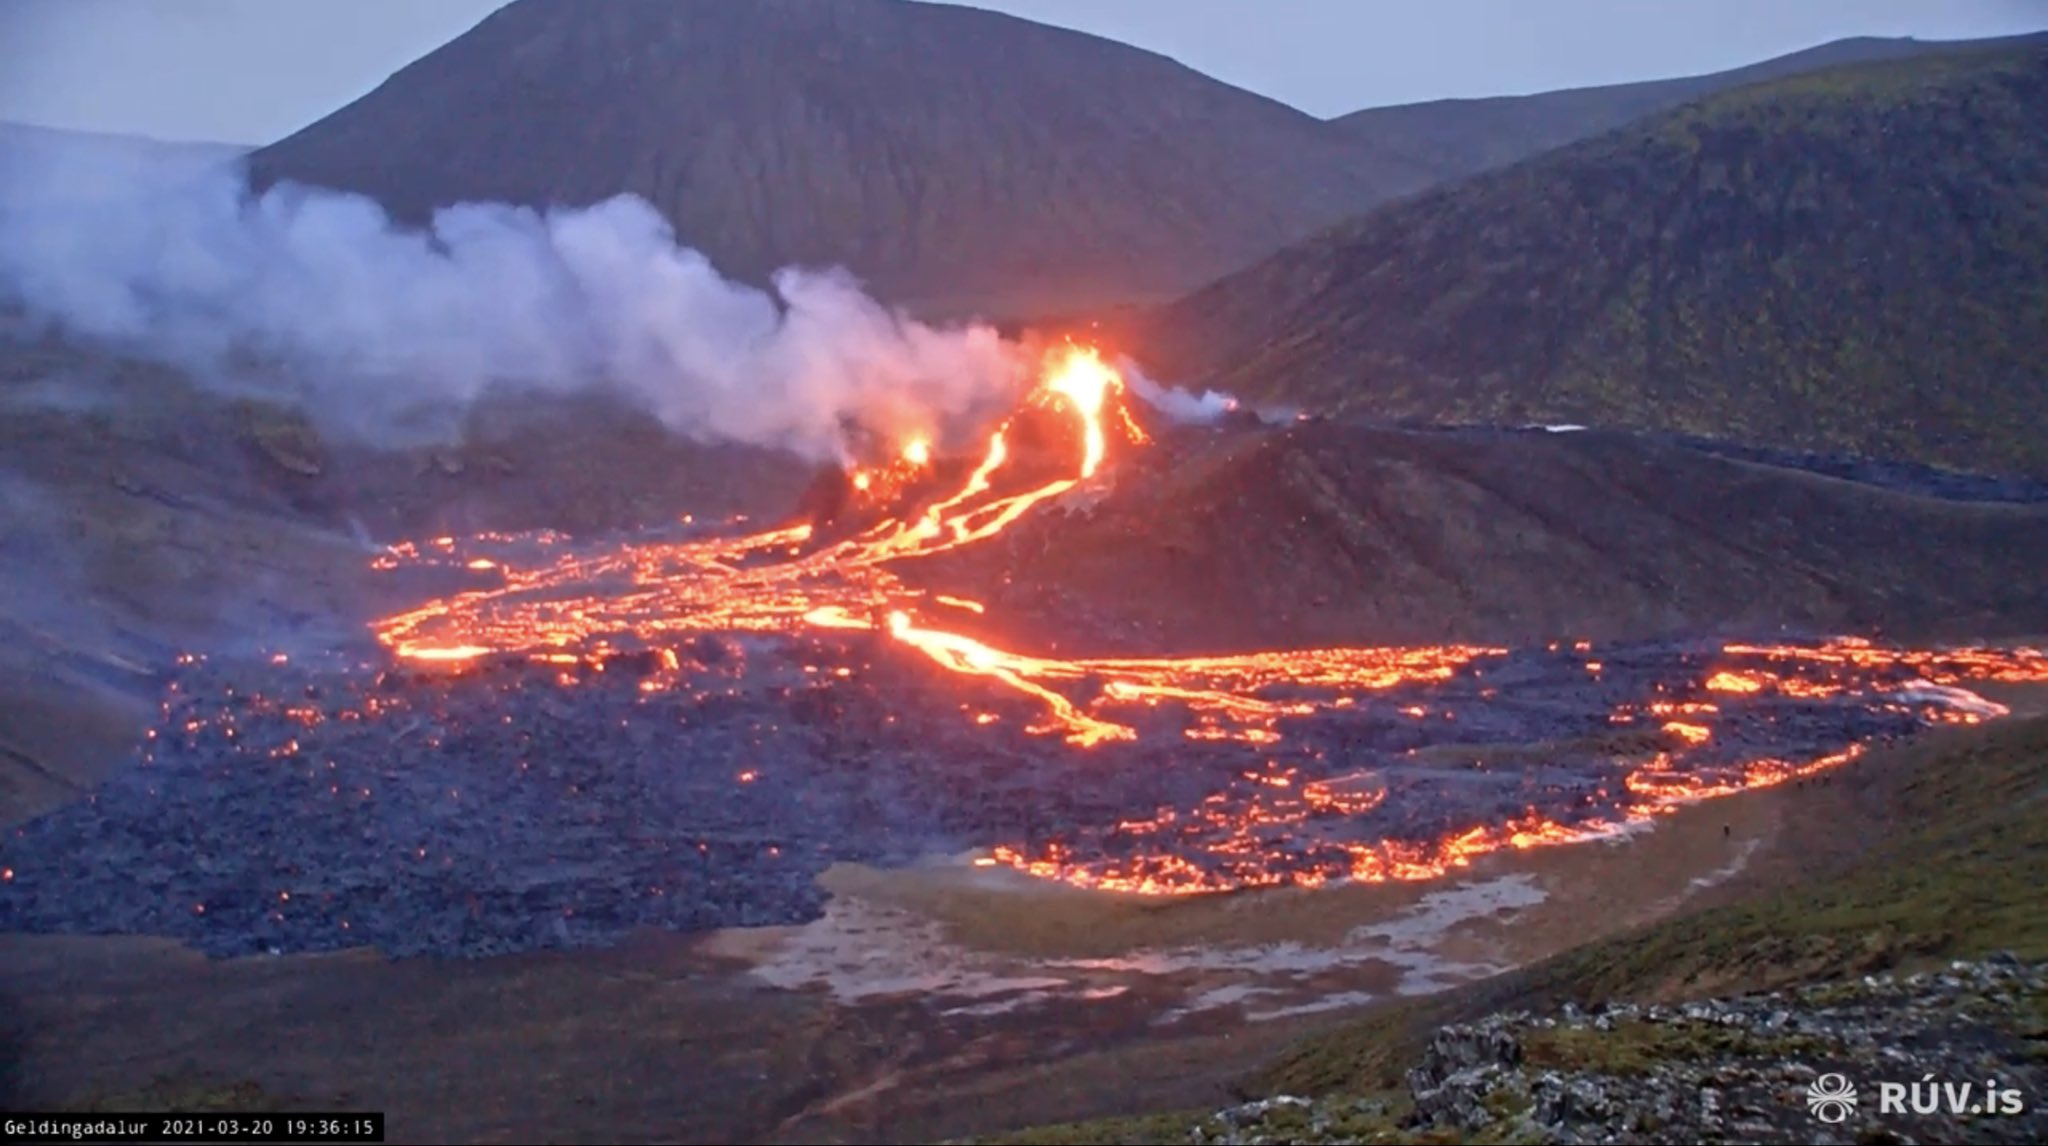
column 762, row 582
column 652, row 594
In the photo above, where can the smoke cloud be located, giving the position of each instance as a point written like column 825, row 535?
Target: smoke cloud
column 1187, row 407
column 1180, row 405
column 387, row 333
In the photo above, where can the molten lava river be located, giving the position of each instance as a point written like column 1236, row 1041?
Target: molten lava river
column 682, row 729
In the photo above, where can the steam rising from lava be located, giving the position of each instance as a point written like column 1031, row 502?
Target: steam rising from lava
column 386, row 333
column 1180, row 405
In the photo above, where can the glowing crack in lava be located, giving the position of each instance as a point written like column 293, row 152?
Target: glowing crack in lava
column 1707, row 727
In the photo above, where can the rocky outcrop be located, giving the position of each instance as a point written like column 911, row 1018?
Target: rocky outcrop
column 1954, row 1055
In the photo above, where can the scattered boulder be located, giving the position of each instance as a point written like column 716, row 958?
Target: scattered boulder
column 1911, row 1058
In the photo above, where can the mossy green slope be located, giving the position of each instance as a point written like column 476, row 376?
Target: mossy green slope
column 1855, row 259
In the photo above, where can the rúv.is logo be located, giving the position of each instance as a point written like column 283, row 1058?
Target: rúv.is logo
column 1930, row 1097
column 1832, row 1098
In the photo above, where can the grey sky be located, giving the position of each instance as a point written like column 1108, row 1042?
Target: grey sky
column 251, row 71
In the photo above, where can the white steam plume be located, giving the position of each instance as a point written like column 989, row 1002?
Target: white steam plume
column 383, row 331
column 1188, row 407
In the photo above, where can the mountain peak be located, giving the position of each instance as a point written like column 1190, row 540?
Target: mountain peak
column 952, row 157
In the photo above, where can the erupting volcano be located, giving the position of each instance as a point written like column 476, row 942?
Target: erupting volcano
column 681, row 728
column 771, row 581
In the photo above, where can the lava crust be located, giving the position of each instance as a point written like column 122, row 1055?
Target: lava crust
column 510, row 803
column 567, row 740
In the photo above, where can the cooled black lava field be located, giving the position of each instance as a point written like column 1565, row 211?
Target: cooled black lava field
column 510, row 804
column 562, row 740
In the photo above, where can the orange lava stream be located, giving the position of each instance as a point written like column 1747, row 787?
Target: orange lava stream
column 654, row 593
column 1662, row 789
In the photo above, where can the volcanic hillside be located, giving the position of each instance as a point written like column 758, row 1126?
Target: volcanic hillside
column 1327, row 534
column 951, row 157
column 1459, row 137
column 1855, row 259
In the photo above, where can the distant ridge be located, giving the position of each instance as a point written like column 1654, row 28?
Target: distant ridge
column 1458, row 137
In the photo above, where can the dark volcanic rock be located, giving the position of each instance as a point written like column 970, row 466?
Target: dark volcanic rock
column 1943, row 1056
column 509, row 805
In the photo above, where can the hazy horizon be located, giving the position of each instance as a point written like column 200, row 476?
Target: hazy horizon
column 251, row 71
